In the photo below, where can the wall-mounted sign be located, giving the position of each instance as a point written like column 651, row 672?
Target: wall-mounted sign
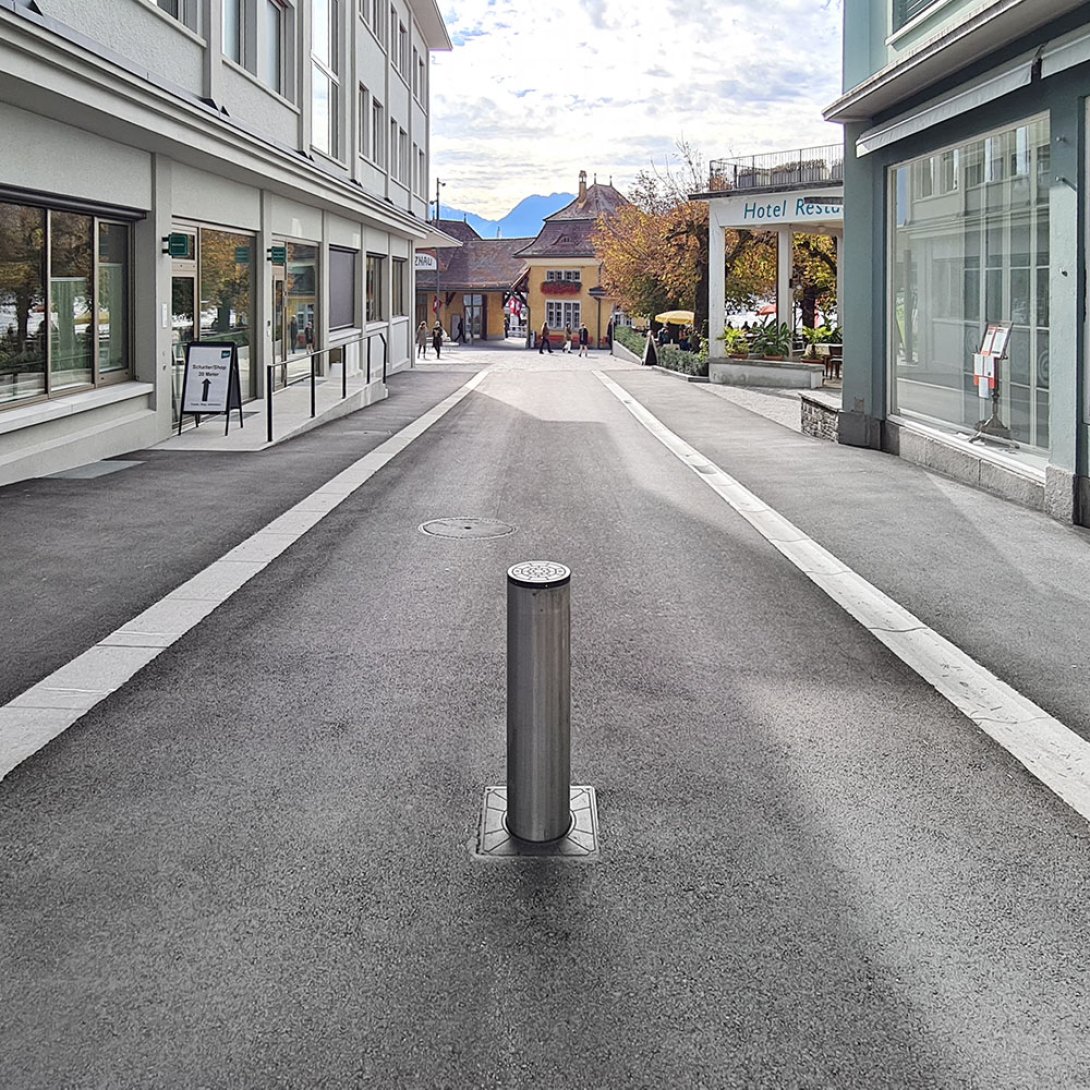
column 425, row 262
column 759, row 210
column 278, row 255
column 179, row 244
column 242, row 255
column 211, row 381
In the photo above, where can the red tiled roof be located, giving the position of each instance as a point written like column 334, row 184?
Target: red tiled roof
column 567, row 233
column 481, row 264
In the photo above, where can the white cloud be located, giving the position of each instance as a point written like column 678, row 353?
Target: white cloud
column 531, row 95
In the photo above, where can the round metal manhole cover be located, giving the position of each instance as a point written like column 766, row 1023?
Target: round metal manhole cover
column 539, row 573
column 467, row 527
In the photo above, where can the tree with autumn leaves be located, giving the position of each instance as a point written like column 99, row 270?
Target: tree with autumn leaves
column 654, row 251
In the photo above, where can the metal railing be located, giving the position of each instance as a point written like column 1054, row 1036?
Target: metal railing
column 777, row 169
column 312, row 357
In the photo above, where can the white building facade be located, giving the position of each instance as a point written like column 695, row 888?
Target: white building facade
column 252, row 171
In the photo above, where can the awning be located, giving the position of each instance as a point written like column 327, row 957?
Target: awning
column 1009, row 78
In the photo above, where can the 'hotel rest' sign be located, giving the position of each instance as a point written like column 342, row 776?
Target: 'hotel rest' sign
column 768, row 209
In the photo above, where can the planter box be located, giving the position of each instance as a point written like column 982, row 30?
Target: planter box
column 753, row 372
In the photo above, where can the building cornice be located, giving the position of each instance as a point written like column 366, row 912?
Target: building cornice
column 54, row 72
column 985, row 32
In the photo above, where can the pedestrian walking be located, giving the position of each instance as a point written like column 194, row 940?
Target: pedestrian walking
column 584, row 340
column 609, row 333
column 543, row 339
column 461, row 334
column 422, row 341
column 567, row 338
column 437, row 337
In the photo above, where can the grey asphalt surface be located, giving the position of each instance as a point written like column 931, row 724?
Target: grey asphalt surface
column 251, row 866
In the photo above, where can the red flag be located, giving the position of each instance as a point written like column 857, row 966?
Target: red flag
column 435, row 305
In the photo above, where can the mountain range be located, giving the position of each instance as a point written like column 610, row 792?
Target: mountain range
column 523, row 221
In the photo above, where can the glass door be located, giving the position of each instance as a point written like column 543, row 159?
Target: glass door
column 183, row 295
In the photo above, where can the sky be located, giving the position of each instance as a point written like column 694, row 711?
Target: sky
column 534, row 92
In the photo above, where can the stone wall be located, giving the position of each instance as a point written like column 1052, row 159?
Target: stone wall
column 818, row 418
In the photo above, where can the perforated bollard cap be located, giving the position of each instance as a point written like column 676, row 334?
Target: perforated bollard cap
column 539, row 574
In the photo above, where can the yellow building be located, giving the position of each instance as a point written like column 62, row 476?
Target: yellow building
column 562, row 280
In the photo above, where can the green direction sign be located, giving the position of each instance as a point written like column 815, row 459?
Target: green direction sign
column 278, row 255
column 242, row 255
column 179, row 245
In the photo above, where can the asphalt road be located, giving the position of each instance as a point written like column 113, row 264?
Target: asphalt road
column 251, row 866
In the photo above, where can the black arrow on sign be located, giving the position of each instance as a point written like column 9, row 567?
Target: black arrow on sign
column 204, row 395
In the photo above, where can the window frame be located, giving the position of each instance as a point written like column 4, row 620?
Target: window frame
column 374, row 303
column 399, row 288
column 331, row 72
column 99, row 379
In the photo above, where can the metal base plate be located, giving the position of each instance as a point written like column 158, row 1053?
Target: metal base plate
column 494, row 841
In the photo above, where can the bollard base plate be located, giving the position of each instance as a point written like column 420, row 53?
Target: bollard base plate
column 494, row 841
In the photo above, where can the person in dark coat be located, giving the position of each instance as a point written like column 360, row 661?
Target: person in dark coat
column 584, row 340
column 437, row 337
column 543, row 339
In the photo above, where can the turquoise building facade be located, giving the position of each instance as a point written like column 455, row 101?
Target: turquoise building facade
column 965, row 212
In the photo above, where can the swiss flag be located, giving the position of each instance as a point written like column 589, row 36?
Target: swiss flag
column 435, row 305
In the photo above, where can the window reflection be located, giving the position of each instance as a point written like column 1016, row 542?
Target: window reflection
column 22, row 302
column 971, row 245
column 70, row 295
column 113, row 291
column 227, row 280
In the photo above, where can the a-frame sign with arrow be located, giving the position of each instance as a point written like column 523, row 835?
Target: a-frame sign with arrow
column 211, row 383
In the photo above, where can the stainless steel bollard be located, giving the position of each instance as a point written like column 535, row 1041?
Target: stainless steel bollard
column 538, row 700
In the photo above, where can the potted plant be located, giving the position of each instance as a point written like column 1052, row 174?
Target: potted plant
column 735, row 343
column 773, row 342
column 816, row 338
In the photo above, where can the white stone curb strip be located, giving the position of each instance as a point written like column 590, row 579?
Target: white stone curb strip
column 1052, row 752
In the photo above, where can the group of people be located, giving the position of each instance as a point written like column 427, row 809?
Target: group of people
column 685, row 338
column 543, row 344
column 422, row 339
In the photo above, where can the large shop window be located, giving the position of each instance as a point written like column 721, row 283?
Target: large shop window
column 302, row 296
column 970, row 246
column 342, row 288
column 64, row 302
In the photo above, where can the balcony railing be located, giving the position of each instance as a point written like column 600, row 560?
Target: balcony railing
column 778, row 169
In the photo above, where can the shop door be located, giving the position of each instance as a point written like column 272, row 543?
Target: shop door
column 183, row 295
column 473, row 305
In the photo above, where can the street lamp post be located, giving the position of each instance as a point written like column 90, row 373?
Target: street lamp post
column 598, row 294
column 438, row 302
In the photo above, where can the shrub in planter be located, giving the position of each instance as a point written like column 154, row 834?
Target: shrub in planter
column 735, row 342
column 773, row 342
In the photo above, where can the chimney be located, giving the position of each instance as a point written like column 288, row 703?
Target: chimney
column 582, row 185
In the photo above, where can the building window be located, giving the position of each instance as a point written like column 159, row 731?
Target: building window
column 395, row 162
column 570, row 275
column 378, row 133
column 301, row 291
column 392, row 44
column 560, row 315
column 423, row 167
column 342, row 288
column 64, row 302
column 403, row 50
column 185, row 11
column 399, row 294
column 403, row 157
column 416, row 71
column 227, row 294
column 971, row 247
column 905, row 11
column 325, row 82
column 365, row 122
column 376, row 309
column 421, row 74
column 256, row 35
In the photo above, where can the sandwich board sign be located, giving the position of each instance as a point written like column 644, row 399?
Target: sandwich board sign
column 211, row 381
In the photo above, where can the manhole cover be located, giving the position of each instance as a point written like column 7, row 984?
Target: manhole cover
column 468, row 527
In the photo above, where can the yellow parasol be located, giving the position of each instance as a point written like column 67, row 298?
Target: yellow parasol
column 675, row 317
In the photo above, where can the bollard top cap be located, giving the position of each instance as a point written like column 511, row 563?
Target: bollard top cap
column 539, row 574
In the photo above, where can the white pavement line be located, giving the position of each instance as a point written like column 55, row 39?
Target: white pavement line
column 1053, row 753
column 45, row 710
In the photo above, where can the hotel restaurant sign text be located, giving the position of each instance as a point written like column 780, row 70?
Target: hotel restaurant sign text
column 768, row 209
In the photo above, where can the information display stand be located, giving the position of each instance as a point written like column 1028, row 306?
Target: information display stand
column 211, row 382
column 986, row 374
